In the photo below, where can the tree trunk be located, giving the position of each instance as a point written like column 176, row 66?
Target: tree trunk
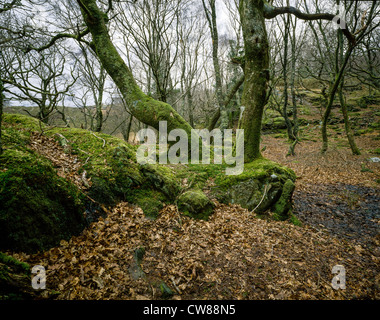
column 288, row 123
column 142, row 107
column 256, row 74
column 226, row 102
column 347, row 126
column 293, row 94
column 350, row 137
column 333, row 91
column 211, row 17
column 1, row 113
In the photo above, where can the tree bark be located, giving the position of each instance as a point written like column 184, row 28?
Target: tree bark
column 211, row 18
column 350, row 137
column 332, row 93
column 1, row 113
column 226, row 102
column 142, row 107
column 256, row 74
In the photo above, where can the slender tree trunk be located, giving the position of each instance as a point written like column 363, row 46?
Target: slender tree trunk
column 350, row 136
column 285, row 78
column 44, row 113
column 256, row 74
column 295, row 127
column 1, row 113
column 332, row 93
column 126, row 128
column 347, row 126
column 99, row 100
column 211, row 18
column 142, row 107
column 189, row 98
column 226, row 102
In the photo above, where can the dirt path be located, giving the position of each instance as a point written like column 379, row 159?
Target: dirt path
column 336, row 192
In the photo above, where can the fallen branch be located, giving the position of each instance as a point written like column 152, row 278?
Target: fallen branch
column 104, row 141
column 265, row 191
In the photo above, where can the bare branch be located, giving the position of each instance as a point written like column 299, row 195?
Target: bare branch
column 271, row 12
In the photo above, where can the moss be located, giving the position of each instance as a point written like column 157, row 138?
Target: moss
column 166, row 292
column 14, row 278
column 150, row 201
column 365, row 101
column 162, row 178
column 194, row 203
column 375, row 125
column 257, row 169
column 258, row 188
column 363, row 131
column 283, row 206
column 108, row 161
column 15, row 264
column 23, row 121
column 38, row 207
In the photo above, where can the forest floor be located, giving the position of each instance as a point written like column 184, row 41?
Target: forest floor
column 236, row 255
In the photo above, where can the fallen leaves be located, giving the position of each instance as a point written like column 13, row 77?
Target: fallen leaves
column 66, row 164
column 231, row 256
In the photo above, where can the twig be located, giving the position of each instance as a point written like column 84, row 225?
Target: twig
column 265, row 191
column 104, row 141
column 174, row 284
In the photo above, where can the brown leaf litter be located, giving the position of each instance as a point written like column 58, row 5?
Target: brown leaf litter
column 232, row 256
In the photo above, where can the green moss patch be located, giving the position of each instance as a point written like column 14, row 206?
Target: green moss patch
column 14, row 279
column 264, row 185
column 109, row 162
column 38, row 207
column 194, row 203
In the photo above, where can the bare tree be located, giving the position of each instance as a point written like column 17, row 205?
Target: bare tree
column 192, row 50
column 150, row 30
column 40, row 79
column 91, row 80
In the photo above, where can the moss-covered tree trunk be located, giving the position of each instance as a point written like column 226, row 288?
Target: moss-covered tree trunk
column 347, row 126
column 141, row 106
column 1, row 112
column 211, row 18
column 256, row 74
column 333, row 90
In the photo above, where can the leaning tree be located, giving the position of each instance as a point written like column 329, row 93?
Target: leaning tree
column 253, row 14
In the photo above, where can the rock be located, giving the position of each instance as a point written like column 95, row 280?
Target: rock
column 374, row 159
column 264, row 185
column 161, row 178
column 196, row 204
column 283, row 206
column 135, row 269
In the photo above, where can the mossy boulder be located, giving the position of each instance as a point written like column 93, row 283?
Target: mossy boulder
column 283, row 207
column 264, row 185
column 15, row 281
column 38, row 208
column 194, row 203
column 273, row 124
column 162, row 178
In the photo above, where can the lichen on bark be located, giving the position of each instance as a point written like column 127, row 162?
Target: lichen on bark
column 141, row 106
column 256, row 74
